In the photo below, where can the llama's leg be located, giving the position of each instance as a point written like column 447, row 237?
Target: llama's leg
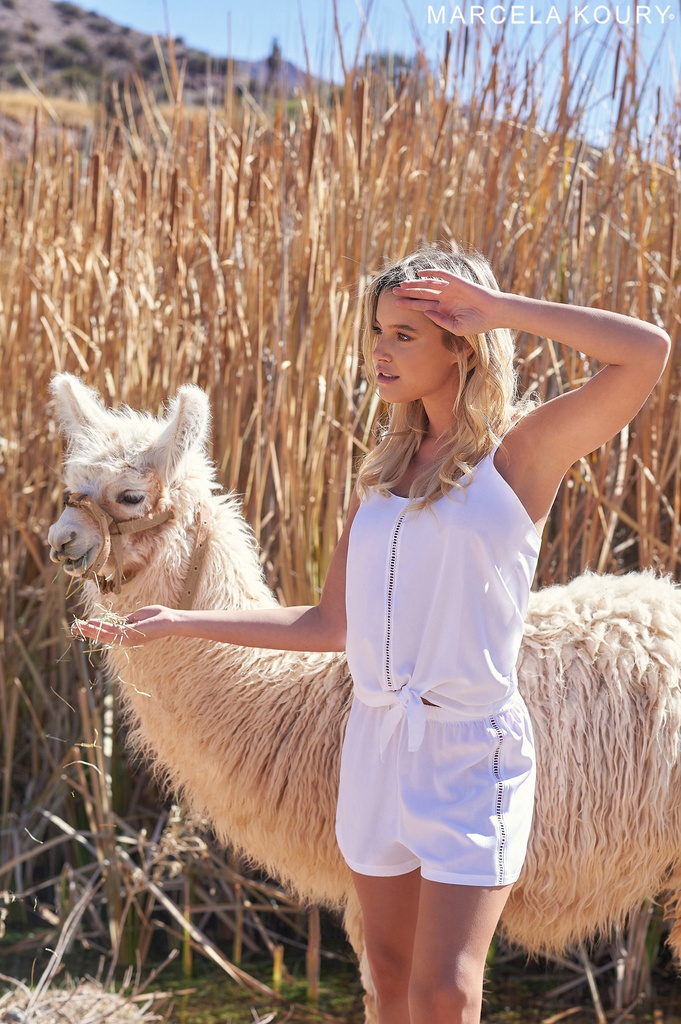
column 672, row 910
column 354, row 926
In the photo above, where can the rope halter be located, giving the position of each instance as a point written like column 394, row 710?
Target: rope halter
column 112, row 531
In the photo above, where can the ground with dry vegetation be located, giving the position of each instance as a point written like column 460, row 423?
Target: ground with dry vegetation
column 229, row 246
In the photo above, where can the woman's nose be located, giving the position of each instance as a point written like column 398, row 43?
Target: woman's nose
column 381, row 351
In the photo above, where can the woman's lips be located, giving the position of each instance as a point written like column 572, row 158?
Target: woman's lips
column 385, row 378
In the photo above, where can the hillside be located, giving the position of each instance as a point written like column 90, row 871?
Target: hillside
column 67, row 50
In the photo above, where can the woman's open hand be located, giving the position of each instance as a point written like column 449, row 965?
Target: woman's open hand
column 140, row 627
column 450, row 301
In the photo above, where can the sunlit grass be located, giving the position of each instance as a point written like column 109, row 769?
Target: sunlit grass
column 21, row 105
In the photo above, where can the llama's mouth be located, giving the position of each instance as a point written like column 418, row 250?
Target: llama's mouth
column 78, row 566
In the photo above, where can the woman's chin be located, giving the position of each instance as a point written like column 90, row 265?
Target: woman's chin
column 389, row 391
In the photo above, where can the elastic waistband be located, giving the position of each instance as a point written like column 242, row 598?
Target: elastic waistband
column 409, row 703
column 440, row 712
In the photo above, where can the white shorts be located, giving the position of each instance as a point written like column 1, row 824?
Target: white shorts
column 459, row 808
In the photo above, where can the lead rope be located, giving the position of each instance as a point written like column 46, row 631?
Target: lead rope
column 199, row 552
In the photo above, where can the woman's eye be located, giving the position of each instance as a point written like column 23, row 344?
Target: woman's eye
column 130, row 499
column 376, row 330
column 403, row 337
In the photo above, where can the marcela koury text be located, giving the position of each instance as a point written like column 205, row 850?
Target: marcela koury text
column 522, row 14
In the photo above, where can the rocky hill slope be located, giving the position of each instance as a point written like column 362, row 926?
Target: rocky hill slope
column 65, row 49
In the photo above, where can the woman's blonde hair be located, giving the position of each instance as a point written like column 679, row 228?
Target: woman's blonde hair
column 484, row 407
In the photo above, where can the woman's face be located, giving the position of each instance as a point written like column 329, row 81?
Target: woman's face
column 411, row 360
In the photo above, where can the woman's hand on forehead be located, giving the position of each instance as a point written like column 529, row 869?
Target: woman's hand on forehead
column 450, row 301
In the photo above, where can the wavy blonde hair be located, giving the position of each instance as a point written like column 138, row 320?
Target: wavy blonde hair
column 485, row 405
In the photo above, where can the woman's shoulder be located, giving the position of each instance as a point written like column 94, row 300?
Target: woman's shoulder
column 517, row 441
column 517, row 462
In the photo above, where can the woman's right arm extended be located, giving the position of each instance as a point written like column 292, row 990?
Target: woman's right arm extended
column 318, row 627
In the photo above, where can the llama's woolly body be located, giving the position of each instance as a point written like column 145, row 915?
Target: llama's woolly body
column 252, row 738
column 601, row 673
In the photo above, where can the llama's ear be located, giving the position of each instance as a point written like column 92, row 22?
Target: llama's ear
column 78, row 407
column 188, row 421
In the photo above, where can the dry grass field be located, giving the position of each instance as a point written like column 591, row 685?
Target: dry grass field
column 230, row 247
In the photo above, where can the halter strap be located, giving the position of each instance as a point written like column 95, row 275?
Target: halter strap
column 199, row 552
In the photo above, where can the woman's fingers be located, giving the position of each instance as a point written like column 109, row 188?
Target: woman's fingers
column 456, row 305
column 442, row 320
column 437, row 274
column 87, row 628
column 423, row 305
column 416, row 292
column 434, row 280
column 451, row 321
column 94, row 629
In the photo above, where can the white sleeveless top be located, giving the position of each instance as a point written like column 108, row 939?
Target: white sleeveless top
column 436, row 600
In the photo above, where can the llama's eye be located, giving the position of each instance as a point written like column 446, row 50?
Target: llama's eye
column 131, row 499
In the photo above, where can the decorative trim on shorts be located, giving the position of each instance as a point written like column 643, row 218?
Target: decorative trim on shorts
column 496, row 771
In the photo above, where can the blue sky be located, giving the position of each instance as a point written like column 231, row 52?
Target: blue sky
column 246, row 29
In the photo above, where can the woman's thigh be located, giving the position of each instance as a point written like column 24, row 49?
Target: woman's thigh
column 390, row 909
column 454, row 929
column 433, row 923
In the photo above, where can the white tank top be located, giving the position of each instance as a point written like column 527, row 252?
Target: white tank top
column 436, row 599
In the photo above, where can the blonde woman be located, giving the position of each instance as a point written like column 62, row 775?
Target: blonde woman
column 427, row 591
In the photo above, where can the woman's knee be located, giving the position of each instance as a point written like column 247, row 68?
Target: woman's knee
column 390, row 968
column 451, row 993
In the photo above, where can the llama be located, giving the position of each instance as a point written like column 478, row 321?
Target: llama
column 252, row 738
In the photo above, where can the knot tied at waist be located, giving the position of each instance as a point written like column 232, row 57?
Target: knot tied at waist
column 401, row 703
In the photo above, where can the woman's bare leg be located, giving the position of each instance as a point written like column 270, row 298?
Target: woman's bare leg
column 390, row 909
column 454, row 929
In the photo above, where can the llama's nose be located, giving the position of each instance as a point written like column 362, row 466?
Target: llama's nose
column 59, row 544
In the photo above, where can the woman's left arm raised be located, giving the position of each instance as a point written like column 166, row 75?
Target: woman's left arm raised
column 633, row 352
column 559, row 432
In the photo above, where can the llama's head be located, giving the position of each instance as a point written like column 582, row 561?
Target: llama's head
column 129, row 466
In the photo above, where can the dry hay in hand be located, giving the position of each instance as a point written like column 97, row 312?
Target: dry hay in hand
column 82, row 1002
column 108, row 618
